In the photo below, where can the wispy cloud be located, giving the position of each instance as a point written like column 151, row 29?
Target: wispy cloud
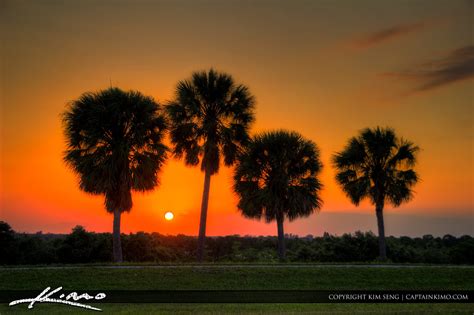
column 455, row 66
column 387, row 34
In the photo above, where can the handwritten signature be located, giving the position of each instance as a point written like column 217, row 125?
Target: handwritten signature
column 47, row 297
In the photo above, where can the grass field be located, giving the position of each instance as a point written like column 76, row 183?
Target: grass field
column 243, row 277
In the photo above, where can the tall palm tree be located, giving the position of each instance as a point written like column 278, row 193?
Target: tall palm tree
column 114, row 143
column 210, row 118
column 276, row 178
column 378, row 166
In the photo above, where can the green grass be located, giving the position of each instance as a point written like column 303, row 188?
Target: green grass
column 255, row 277
column 215, row 309
column 244, row 277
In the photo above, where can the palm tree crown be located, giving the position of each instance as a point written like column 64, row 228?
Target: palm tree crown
column 378, row 166
column 210, row 118
column 276, row 177
column 114, row 143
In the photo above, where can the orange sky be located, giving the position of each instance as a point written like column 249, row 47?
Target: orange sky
column 324, row 68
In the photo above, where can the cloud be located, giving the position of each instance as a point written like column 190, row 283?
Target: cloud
column 387, row 34
column 455, row 66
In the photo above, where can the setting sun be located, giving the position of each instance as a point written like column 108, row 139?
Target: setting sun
column 169, row 216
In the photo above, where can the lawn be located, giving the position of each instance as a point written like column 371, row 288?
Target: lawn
column 304, row 277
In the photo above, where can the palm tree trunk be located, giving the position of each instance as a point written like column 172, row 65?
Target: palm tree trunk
column 281, row 238
column 202, row 223
column 117, row 245
column 380, row 224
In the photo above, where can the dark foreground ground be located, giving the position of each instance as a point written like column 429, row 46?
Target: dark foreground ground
column 222, row 277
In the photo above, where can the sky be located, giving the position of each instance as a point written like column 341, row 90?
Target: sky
column 326, row 69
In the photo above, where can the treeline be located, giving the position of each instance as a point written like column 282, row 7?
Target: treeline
column 81, row 246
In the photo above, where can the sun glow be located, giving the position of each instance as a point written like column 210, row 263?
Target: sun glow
column 169, row 216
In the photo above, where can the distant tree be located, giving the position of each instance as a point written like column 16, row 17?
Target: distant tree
column 6, row 232
column 81, row 246
column 449, row 240
column 378, row 166
column 463, row 251
column 7, row 246
column 114, row 143
column 139, row 247
column 77, row 246
column 210, row 118
column 276, row 178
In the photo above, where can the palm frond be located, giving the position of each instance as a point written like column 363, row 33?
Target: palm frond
column 405, row 155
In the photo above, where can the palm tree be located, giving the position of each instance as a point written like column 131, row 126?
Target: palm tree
column 276, row 178
column 378, row 166
column 210, row 118
column 114, row 143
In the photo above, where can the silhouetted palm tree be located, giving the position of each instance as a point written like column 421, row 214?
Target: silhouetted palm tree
column 114, row 143
column 377, row 165
column 276, row 177
column 210, row 118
